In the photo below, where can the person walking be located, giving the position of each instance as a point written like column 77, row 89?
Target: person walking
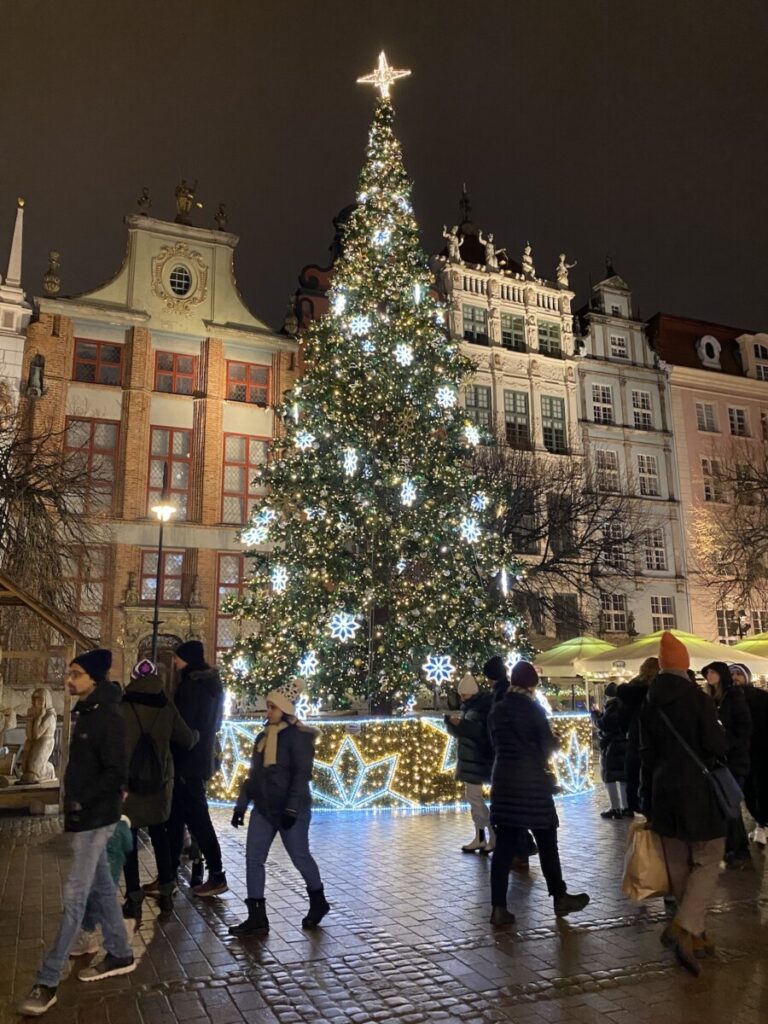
column 152, row 723
column 278, row 787
column 756, row 784
column 678, row 799
column 733, row 712
column 474, row 757
column 522, row 788
column 613, row 750
column 200, row 701
column 631, row 696
column 93, row 785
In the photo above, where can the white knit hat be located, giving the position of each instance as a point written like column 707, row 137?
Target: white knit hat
column 285, row 696
column 467, row 685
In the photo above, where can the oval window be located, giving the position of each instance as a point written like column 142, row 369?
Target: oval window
column 180, row 281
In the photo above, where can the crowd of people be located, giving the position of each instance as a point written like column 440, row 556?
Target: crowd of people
column 140, row 759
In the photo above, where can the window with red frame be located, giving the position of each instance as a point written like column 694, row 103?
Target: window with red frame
column 86, row 580
column 171, row 577
column 174, row 373
column 248, row 382
column 229, row 584
column 92, row 446
column 242, row 457
column 98, row 362
column 172, row 448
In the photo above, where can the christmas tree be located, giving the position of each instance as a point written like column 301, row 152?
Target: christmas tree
column 384, row 560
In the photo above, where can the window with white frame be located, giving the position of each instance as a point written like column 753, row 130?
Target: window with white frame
column 512, row 332
column 648, row 475
column 475, row 324
column 761, row 362
column 614, row 613
column 607, row 470
column 602, row 403
column 553, row 424
column 737, row 420
column 713, row 488
column 662, row 613
column 619, row 346
column 655, row 550
column 549, row 338
column 705, row 417
column 478, row 405
column 615, row 310
column 516, row 419
column 615, row 547
column 642, row 410
column 759, row 621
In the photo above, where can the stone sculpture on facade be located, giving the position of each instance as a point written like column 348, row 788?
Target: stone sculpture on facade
column 454, row 241
column 185, row 199
column 35, row 376
column 527, row 261
column 144, row 202
column 491, row 252
column 51, row 279
column 562, row 271
column 40, row 740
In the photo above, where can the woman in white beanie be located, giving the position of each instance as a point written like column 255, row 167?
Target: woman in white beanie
column 278, row 787
column 474, row 757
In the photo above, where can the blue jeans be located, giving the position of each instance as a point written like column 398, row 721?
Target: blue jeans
column 89, row 876
column 261, row 832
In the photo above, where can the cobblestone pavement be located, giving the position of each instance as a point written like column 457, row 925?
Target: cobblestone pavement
column 407, row 941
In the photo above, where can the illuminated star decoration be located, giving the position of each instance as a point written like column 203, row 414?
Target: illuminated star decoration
column 472, row 434
column 359, row 325
column 352, row 783
column 408, row 492
column 279, row 578
column 445, row 397
column 349, row 461
column 438, row 668
column 479, row 502
column 404, row 355
column 470, row 529
column 383, row 77
column 572, row 767
column 304, row 440
column 308, row 664
column 343, row 626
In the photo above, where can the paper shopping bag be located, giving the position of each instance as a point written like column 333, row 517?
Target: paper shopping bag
column 645, row 869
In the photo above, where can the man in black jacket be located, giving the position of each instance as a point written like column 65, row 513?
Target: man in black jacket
column 93, row 784
column 200, row 700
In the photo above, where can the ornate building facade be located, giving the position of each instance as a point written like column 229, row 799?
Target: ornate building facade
column 15, row 313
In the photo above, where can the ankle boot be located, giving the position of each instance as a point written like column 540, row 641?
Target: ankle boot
column 256, row 923
column 132, row 905
column 318, row 908
column 165, row 897
column 569, row 903
column 681, row 941
column 477, row 844
column 502, row 918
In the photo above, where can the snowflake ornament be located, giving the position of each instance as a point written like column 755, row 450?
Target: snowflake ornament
column 445, row 397
column 402, row 565
column 511, row 660
column 343, row 626
column 279, row 578
column 315, row 512
column 408, row 492
column 359, row 325
column 410, row 705
column 255, row 534
column 304, row 440
column 382, row 236
column 239, row 665
column 308, row 664
column 339, row 304
column 472, row 434
column 349, row 461
column 368, row 346
column 403, row 355
column 470, row 529
column 417, row 292
column 438, row 668
column 479, row 502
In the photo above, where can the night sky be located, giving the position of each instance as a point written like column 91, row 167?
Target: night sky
column 630, row 127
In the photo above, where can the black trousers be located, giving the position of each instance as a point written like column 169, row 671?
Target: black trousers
column 190, row 807
column 632, row 775
column 509, row 842
column 756, row 794
column 736, row 839
column 158, row 836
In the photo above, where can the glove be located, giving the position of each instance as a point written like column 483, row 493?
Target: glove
column 238, row 817
column 287, row 820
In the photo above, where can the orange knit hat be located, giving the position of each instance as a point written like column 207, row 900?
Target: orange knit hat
column 673, row 654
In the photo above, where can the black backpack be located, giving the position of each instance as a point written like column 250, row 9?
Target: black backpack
column 145, row 771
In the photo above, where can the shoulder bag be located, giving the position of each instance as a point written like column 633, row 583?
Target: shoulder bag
column 727, row 790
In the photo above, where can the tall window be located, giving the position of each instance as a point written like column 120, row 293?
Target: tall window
column 478, row 405
column 619, row 346
column 607, row 470
column 549, row 338
column 513, row 332
column 248, row 382
column 231, row 573
column 475, row 324
column 602, row 403
column 92, row 444
column 516, row 420
column 174, row 373
column 614, row 609
column 655, row 550
column 759, row 621
column 561, row 520
column 662, row 613
column 522, row 524
column 98, row 362
column 86, row 582
column 171, row 576
column 615, row 547
column 761, row 362
column 553, row 424
column 172, row 448
column 242, row 457
column 713, row 488
column 737, row 419
column 705, row 417
column 642, row 410
column 648, row 475
column 565, row 612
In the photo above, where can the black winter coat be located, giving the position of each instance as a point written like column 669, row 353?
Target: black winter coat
column 283, row 786
column 522, row 783
column 474, row 754
column 630, row 697
column 757, row 702
column 676, row 797
column 613, row 743
column 200, row 700
column 96, row 769
column 733, row 712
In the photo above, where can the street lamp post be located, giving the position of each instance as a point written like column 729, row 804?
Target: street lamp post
column 163, row 512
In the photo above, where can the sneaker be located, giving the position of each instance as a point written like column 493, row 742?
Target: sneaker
column 40, row 999
column 760, row 835
column 108, row 968
column 215, row 886
column 570, row 903
column 85, row 943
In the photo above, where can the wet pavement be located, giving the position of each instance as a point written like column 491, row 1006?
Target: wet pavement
column 408, row 938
